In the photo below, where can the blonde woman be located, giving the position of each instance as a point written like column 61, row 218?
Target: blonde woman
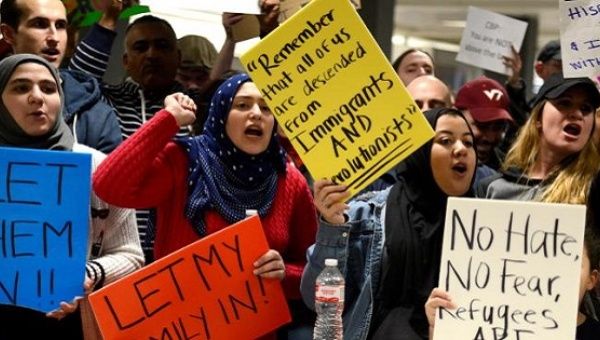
column 553, row 158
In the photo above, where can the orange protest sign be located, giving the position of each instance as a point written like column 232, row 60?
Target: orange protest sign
column 205, row 290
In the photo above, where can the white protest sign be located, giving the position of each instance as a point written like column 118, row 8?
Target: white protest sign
column 488, row 37
column 580, row 38
column 230, row 6
column 512, row 268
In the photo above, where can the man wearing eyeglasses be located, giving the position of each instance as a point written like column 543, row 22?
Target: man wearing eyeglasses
column 485, row 104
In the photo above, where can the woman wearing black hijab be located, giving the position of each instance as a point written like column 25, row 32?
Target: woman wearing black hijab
column 388, row 243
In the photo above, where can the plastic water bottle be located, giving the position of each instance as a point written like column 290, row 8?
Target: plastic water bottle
column 329, row 303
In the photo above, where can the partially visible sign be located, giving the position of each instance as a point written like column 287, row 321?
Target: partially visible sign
column 247, row 28
column 204, row 291
column 287, row 8
column 513, row 269
column 44, row 209
column 488, row 37
column 580, row 38
column 230, row 6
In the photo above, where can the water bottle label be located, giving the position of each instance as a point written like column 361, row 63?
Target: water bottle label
column 329, row 293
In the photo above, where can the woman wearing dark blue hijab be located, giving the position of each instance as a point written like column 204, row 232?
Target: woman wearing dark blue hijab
column 202, row 184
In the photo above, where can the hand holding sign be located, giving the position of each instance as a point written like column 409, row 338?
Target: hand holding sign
column 438, row 298
column 329, row 200
column 514, row 64
column 270, row 266
column 270, row 14
column 229, row 20
column 488, row 37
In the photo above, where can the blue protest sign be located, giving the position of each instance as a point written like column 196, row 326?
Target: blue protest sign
column 44, row 212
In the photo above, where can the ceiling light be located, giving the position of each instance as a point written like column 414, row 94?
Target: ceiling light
column 398, row 39
column 454, row 23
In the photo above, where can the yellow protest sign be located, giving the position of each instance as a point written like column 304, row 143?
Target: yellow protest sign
column 335, row 95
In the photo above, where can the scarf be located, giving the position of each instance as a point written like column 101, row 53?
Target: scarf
column 414, row 221
column 11, row 134
column 221, row 176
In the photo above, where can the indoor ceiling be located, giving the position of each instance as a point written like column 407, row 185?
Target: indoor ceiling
column 443, row 20
column 437, row 20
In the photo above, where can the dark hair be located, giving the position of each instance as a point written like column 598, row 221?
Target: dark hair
column 450, row 111
column 398, row 60
column 151, row 19
column 10, row 13
column 591, row 242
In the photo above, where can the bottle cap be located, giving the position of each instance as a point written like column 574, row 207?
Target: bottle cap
column 331, row 262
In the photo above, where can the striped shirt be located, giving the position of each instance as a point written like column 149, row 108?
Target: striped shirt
column 133, row 107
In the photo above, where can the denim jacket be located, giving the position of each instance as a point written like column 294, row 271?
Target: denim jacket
column 357, row 245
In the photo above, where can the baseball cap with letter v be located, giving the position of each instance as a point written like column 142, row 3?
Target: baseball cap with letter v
column 486, row 100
